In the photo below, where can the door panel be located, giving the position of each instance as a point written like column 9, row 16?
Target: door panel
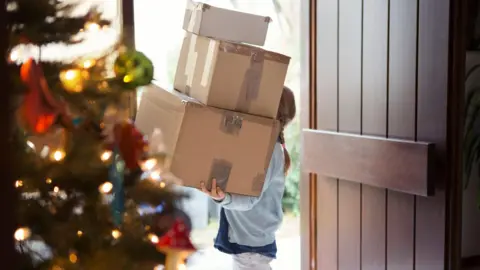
column 381, row 69
column 401, row 124
column 431, row 126
column 349, row 120
column 327, row 101
column 374, row 122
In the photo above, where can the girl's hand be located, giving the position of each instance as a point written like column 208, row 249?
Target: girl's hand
column 216, row 193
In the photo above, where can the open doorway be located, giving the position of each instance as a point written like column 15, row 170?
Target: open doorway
column 159, row 34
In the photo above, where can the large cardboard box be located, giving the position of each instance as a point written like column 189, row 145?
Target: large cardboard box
column 206, row 142
column 231, row 76
column 224, row 24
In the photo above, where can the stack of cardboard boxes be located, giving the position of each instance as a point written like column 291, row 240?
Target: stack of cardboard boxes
column 219, row 122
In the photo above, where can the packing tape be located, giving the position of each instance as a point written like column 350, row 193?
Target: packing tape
column 251, row 81
column 191, row 63
column 208, row 67
column 192, row 13
column 231, row 123
column 193, row 57
column 220, row 171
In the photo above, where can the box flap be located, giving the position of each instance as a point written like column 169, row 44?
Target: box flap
column 164, row 110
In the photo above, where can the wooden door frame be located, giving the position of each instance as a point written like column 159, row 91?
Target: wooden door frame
column 308, row 119
column 454, row 185
column 127, row 24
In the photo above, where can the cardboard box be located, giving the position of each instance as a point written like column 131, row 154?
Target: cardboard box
column 224, row 24
column 206, row 142
column 231, row 76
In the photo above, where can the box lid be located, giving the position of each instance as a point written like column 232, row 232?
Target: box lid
column 225, row 24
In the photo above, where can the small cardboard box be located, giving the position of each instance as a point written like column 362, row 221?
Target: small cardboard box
column 206, row 142
column 231, row 76
column 224, row 24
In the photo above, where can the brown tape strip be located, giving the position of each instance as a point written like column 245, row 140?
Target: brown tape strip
column 220, row 171
column 231, row 123
column 247, row 50
column 251, row 81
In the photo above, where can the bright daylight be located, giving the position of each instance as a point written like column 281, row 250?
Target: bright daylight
column 163, row 47
column 240, row 134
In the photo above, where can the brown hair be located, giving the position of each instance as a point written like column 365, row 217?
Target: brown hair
column 286, row 113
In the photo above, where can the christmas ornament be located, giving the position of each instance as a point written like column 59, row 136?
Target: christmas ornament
column 134, row 69
column 176, row 245
column 131, row 144
column 39, row 108
column 119, row 131
column 73, row 80
column 115, row 176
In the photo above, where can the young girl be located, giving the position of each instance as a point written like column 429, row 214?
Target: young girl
column 248, row 224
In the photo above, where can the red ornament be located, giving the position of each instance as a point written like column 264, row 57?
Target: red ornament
column 176, row 245
column 177, row 238
column 39, row 108
column 130, row 142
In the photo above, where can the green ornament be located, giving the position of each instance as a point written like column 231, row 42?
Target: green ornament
column 133, row 69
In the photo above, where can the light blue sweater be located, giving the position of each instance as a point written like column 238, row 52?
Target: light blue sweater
column 253, row 221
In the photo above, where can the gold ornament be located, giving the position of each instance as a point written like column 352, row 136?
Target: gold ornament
column 73, row 80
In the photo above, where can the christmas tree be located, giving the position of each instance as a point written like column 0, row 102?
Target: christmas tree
column 92, row 194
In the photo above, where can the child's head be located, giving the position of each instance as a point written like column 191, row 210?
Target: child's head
column 286, row 113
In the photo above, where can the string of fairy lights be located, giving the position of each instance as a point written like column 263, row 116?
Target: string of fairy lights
column 73, row 81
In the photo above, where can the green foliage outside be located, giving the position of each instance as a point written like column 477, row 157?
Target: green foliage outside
column 291, row 198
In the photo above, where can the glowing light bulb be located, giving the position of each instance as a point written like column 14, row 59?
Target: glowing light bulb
column 22, row 234
column 31, row 145
column 73, row 257
column 91, row 26
column 58, row 155
column 155, row 175
column 88, row 63
column 116, row 234
column 79, row 233
column 153, row 238
column 106, row 155
column 162, row 184
column 48, row 181
column 105, row 187
column 148, row 164
column 18, row 183
column 56, row 189
column 14, row 56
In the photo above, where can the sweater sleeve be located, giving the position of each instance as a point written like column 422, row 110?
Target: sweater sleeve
column 245, row 203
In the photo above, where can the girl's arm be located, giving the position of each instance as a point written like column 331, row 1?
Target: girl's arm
column 245, row 203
